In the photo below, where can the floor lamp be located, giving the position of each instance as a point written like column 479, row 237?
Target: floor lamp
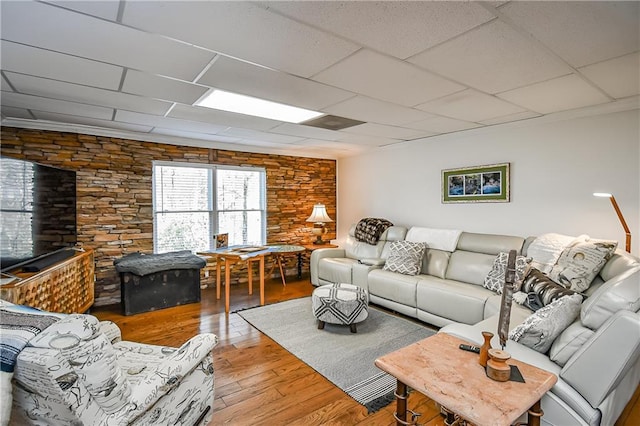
column 619, row 213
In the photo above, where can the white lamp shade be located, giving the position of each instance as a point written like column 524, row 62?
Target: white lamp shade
column 319, row 214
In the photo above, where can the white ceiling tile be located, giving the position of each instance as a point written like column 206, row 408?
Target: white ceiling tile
column 511, row 117
column 5, row 85
column 242, row 30
column 386, row 78
column 492, row 58
column 259, row 136
column 619, row 77
column 194, row 135
column 83, row 94
column 336, row 146
column 559, row 94
column 12, row 112
column 352, row 138
column 398, row 28
column 581, row 32
column 218, row 117
column 442, row 125
column 58, row 66
column 252, row 80
column 167, row 122
column 470, row 105
column 367, row 109
column 165, row 88
column 393, row 132
column 86, row 121
column 93, row 38
column 306, row 131
column 100, row 8
column 19, row 100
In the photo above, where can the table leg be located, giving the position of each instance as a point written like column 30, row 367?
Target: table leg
column 279, row 259
column 534, row 414
column 401, row 404
column 227, row 281
column 218, row 285
column 261, row 266
column 299, row 265
column 250, row 272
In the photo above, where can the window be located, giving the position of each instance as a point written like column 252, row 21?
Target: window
column 17, row 185
column 191, row 203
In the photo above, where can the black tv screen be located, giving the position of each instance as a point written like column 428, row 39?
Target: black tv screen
column 37, row 208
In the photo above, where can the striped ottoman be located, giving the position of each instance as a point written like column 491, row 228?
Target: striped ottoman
column 340, row 304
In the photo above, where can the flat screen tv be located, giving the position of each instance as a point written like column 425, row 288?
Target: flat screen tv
column 38, row 211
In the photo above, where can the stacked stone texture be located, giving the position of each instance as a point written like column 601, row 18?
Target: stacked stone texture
column 114, row 191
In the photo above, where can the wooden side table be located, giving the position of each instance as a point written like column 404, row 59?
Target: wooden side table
column 437, row 368
column 278, row 251
column 230, row 255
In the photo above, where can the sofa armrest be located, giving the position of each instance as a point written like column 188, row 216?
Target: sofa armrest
column 360, row 273
column 111, row 330
column 584, row 370
column 170, row 372
column 319, row 254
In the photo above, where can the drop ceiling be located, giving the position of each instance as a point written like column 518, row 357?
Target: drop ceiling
column 407, row 70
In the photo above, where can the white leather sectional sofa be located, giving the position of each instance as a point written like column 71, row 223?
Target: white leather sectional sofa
column 596, row 359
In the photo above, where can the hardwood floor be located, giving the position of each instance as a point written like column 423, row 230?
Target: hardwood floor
column 257, row 381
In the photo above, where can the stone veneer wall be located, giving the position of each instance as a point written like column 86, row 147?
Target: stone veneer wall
column 114, row 203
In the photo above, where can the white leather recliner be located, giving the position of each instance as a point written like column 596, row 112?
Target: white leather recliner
column 335, row 265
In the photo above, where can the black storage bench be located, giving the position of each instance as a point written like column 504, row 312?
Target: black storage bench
column 155, row 281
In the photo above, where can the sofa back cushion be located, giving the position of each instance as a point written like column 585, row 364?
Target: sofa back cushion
column 475, row 253
column 355, row 249
column 621, row 292
column 435, row 262
column 469, row 267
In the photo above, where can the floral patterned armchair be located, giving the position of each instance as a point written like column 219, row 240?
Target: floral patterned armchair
column 78, row 371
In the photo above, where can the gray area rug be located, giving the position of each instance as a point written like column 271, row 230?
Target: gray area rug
column 346, row 359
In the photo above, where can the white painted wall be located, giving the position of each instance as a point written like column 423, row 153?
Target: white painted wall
column 555, row 168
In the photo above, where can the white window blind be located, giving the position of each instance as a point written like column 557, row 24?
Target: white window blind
column 192, row 203
column 16, row 208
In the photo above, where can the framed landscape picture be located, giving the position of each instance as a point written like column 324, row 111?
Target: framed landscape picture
column 478, row 184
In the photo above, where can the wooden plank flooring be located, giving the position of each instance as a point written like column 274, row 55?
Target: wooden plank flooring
column 257, row 381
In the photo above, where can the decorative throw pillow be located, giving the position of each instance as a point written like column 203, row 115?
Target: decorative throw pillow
column 540, row 329
column 405, row 257
column 579, row 263
column 495, row 278
column 541, row 288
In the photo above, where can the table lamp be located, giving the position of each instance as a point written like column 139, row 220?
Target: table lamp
column 319, row 217
column 619, row 213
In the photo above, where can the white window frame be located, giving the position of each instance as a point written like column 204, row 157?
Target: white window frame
column 213, row 210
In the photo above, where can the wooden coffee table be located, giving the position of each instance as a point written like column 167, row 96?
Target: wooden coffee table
column 437, row 368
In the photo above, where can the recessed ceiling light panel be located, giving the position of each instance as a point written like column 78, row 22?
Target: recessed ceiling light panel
column 242, row 104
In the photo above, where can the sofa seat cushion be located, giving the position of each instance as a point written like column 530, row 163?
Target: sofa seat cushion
column 336, row 269
column 393, row 286
column 518, row 312
column 454, row 300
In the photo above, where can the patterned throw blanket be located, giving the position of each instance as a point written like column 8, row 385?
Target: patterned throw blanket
column 369, row 229
column 18, row 325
